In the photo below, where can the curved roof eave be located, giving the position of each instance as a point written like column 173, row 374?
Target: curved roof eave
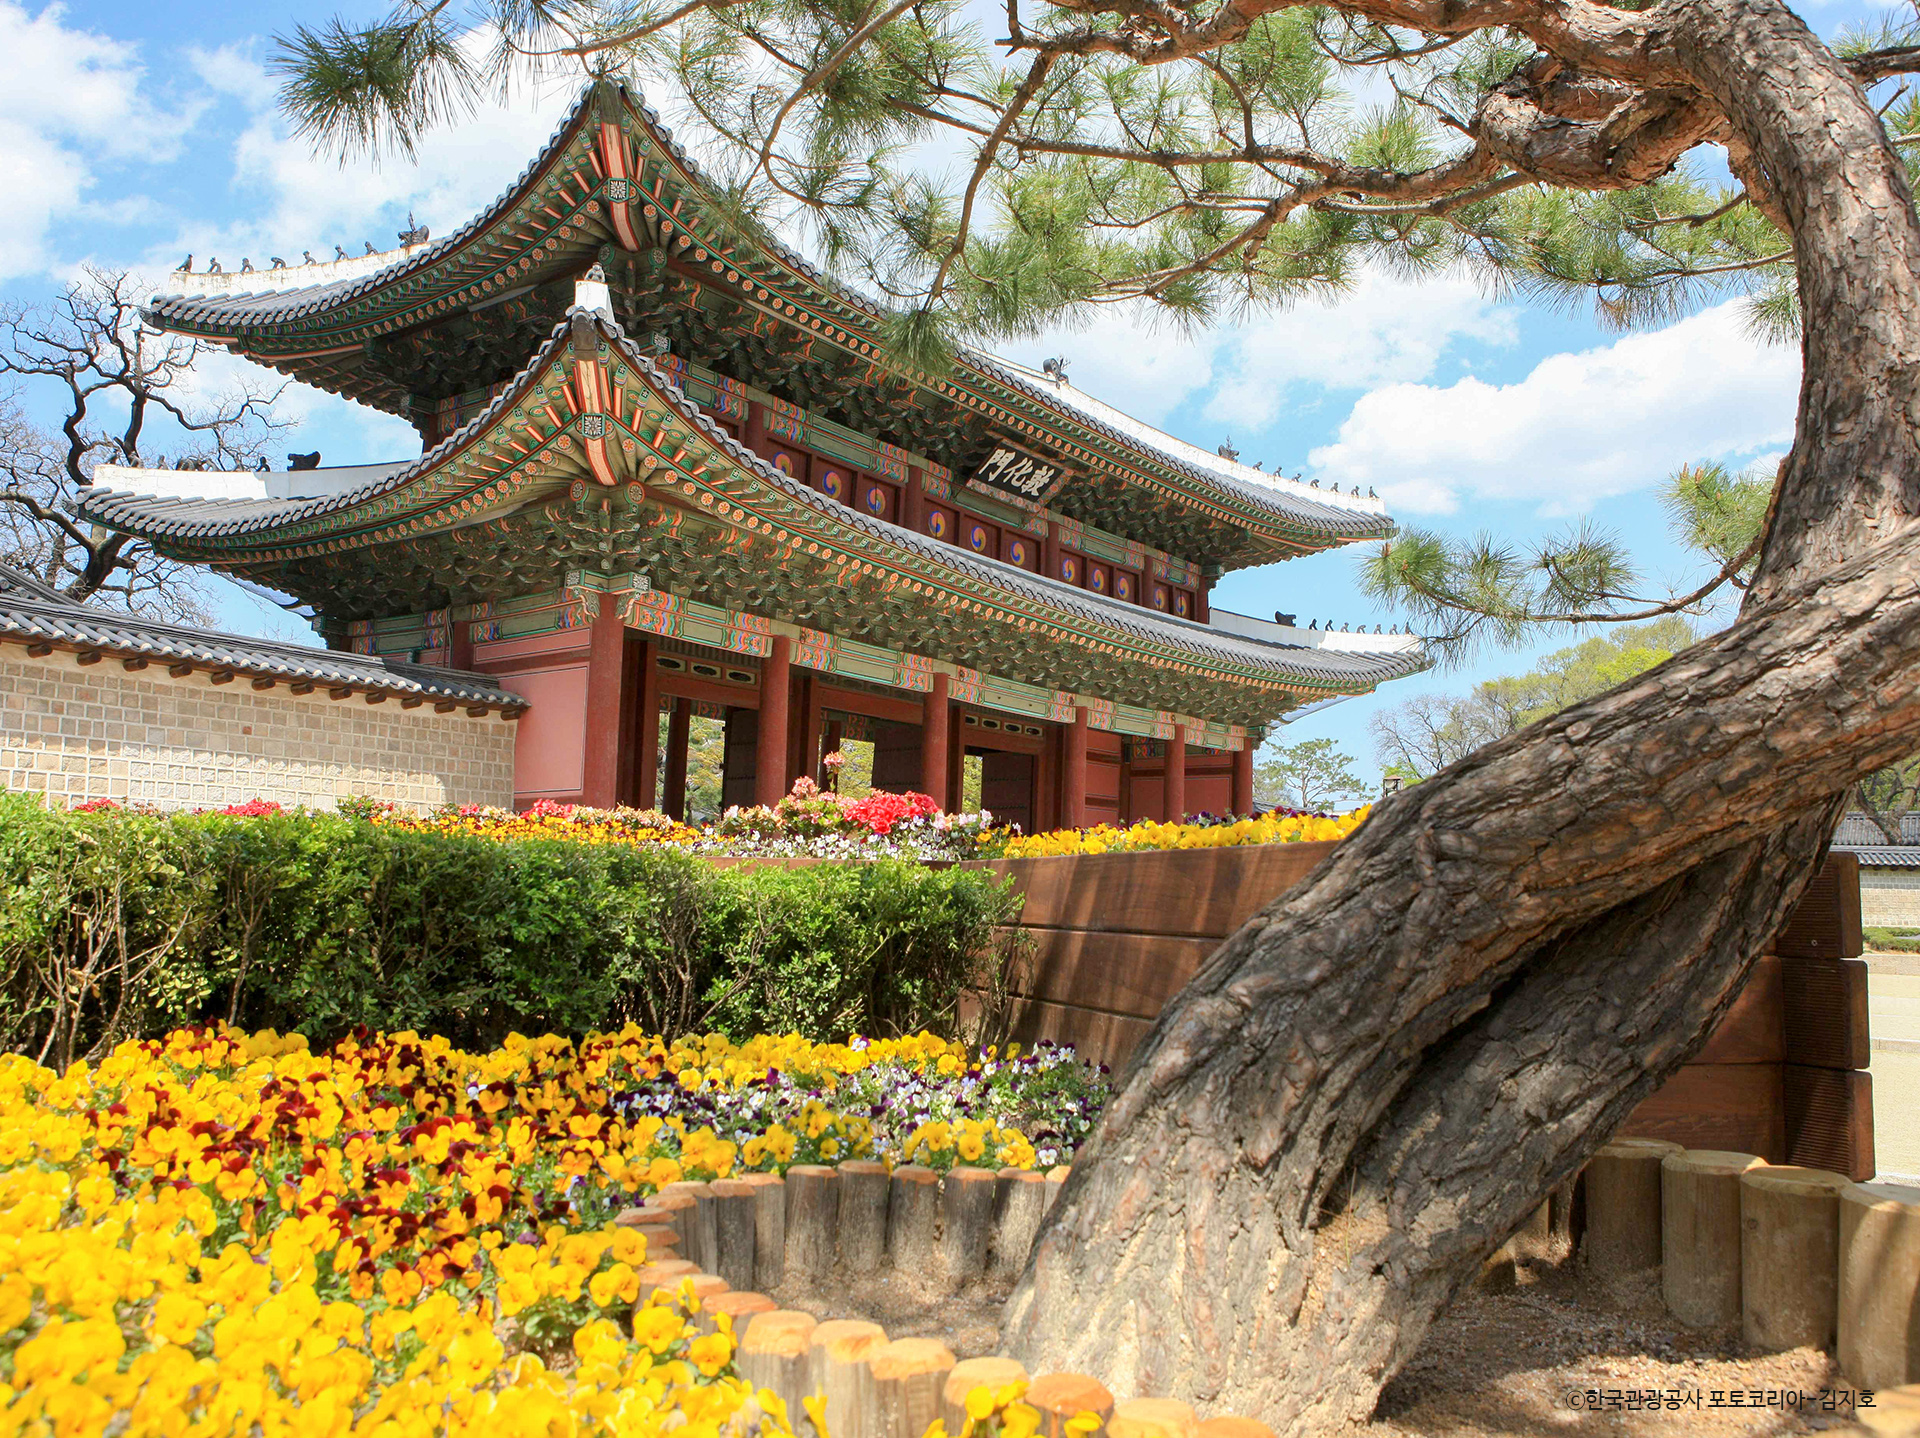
column 29, row 616
column 1309, row 508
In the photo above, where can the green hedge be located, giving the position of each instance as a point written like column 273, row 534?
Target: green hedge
column 115, row 923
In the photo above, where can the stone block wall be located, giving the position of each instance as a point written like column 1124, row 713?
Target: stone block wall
column 76, row 732
column 1890, row 898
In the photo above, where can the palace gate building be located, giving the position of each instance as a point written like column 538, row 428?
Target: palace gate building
column 668, row 469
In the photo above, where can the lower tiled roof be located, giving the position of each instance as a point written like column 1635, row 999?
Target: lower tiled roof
column 1884, row 856
column 180, row 518
column 32, row 613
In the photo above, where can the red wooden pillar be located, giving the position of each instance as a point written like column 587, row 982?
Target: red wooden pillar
column 770, row 748
column 606, row 706
column 1073, row 779
column 459, row 640
column 913, row 511
column 1200, row 609
column 1243, row 778
column 1177, row 776
column 673, row 784
column 646, row 730
column 933, row 741
column 754, row 433
column 1050, row 551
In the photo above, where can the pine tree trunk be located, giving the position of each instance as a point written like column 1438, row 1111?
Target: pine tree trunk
column 1370, row 1086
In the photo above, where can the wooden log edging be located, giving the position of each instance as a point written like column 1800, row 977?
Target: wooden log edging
column 853, row 1218
column 1800, row 1256
column 866, row 1385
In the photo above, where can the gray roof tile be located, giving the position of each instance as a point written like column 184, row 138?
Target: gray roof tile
column 30, row 613
column 1884, row 856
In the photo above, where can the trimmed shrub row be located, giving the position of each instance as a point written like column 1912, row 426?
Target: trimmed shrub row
column 117, row 923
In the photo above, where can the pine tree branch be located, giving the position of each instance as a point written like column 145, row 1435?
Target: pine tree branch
column 1029, row 87
column 1880, row 64
column 825, row 71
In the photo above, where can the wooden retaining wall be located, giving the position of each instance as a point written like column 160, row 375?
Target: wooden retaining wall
column 1118, row 935
column 1783, row 1077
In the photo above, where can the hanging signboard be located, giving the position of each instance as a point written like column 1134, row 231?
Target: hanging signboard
column 1008, row 471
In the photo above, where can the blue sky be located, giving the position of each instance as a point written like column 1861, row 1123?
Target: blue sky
column 131, row 135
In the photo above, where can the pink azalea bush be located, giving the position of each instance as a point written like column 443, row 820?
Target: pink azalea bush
column 810, row 822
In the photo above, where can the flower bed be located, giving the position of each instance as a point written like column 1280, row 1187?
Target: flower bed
column 807, row 823
column 223, row 1233
column 1280, row 826
column 811, row 824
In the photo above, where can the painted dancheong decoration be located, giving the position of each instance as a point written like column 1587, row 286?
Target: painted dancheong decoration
column 651, row 435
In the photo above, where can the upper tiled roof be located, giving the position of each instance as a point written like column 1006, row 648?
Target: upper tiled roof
column 185, row 518
column 30, row 612
column 1304, row 501
column 290, row 295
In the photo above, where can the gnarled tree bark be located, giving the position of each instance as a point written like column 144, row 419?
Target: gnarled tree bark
column 1371, row 1084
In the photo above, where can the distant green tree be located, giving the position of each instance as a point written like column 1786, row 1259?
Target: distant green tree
column 1312, row 774
column 856, row 772
column 706, row 766
column 1887, row 795
column 1425, row 733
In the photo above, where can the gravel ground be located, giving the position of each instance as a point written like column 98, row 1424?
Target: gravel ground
column 1508, row 1364
column 1514, row 1364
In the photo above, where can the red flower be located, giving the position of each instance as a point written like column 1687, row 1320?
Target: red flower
column 880, row 811
column 253, row 809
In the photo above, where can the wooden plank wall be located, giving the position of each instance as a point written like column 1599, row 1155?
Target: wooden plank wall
column 1784, row 1074
column 1117, row 935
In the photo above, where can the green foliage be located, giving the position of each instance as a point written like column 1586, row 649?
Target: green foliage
column 1891, row 941
column 350, row 88
column 115, row 923
column 96, row 922
column 1467, row 593
column 1311, row 775
column 855, row 779
column 991, row 184
column 1719, row 514
column 838, row 949
column 1426, row 732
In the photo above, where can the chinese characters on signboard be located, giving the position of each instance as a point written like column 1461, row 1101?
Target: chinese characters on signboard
column 1016, row 473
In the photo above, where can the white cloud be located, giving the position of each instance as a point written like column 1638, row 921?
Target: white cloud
column 303, row 200
column 1120, row 356
column 72, row 103
column 291, row 199
column 1579, row 428
column 1382, row 331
